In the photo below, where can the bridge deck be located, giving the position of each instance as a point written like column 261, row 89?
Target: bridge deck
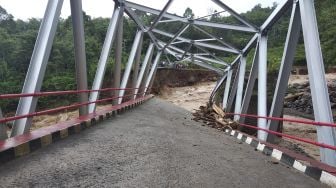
column 155, row 145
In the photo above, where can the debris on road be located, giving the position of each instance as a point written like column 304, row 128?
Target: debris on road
column 213, row 116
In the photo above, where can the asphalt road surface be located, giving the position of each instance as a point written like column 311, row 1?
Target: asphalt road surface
column 154, row 145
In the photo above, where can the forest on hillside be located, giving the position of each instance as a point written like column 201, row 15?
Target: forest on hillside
column 17, row 39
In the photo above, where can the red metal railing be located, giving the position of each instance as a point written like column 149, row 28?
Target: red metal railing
column 62, row 108
column 313, row 123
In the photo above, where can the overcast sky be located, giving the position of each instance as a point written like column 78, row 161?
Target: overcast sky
column 25, row 9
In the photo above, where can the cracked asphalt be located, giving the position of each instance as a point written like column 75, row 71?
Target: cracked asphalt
column 154, row 145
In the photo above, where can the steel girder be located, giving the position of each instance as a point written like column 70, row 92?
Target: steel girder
column 318, row 84
column 303, row 13
column 186, row 20
column 80, row 57
column 3, row 128
column 129, row 65
column 212, row 46
column 100, row 72
column 37, row 66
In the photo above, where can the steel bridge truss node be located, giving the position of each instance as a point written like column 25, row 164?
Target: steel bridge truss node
column 236, row 98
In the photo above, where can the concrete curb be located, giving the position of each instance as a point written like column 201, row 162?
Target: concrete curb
column 24, row 144
column 317, row 171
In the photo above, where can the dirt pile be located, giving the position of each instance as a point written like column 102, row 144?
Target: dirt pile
column 299, row 97
column 213, row 116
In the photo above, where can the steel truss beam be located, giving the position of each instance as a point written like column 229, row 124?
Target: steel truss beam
column 3, row 128
column 143, row 68
column 217, row 86
column 186, row 20
column 213, row 56
column 140, row 25
column 147, row 70
column 262, row 86
column 227, row 88
column 110, row 35
column 205, row 65
column 250, row 84
column 234, row 86
column 318, row 85
column 212, row 46
column 37, row 65
column 152, row 72
column 198, row 60
column 129, row 65
column 80, row 57
column 136, row 66
column 118, row 60
column 276, row 15
column 163, row 11
column 201, row 58
column 177, row 35
column 217, row 39
column 235, row 14
column 285, row 70
column 240, row 87
column 251, row 44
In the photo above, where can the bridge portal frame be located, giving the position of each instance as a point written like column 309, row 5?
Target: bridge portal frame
column 303, row 13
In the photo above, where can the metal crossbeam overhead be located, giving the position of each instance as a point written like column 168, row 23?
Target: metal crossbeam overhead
column 178, row 34
column 163, row 11
column 195, row 56
column 212, row 46
column 204, row 65
column 217, row 39
column 235, row 14
column 210, row 60
column 213, row 56
column 186, row 20
column 198, row 62
column 140, row 25
column 276, row 15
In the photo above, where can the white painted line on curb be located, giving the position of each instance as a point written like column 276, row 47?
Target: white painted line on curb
column 299, row 166
column 276, row 154
column 248, row 140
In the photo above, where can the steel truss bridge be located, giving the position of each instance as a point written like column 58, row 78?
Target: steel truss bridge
column 236, row 98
